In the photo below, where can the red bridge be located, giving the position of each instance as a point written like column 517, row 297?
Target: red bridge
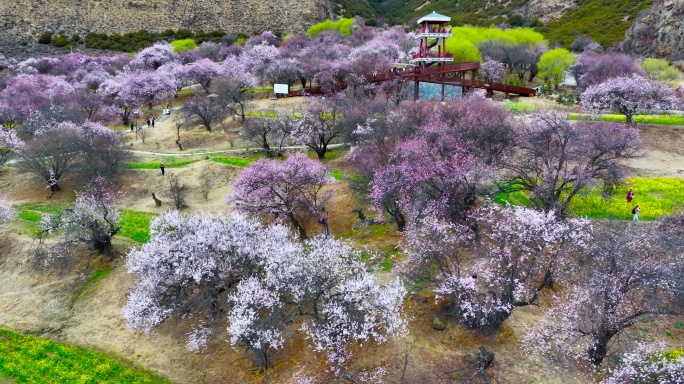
column 449, row 74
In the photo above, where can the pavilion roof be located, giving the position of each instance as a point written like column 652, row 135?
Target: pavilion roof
column 434, row 16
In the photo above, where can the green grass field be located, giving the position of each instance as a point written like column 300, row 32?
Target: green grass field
column 656, row 197
column 30, row 214
column 155, row 165
column 135, row 225
column 520, row 106
column 236, row 161
column 641, row 119
column 30, row 359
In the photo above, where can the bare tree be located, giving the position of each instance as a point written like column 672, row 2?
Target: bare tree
column 177, row 191
column 51, row 153
column 206, row 110
column 101, row 152
column 233, row 96
column 179, row 123
column 207, row 180
column 269, row 133
column 143, row 134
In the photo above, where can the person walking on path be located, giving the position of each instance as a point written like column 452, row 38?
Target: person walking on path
column 152, row 120
column 630, row 196
column 148, row 123
column 162, row 168
column 132, row 126
column 635, row 212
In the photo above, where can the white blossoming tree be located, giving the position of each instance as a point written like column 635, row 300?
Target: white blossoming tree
column 9, row 142
column 628, row 95
column 93, row 221
column 628, row 272
column 645, row 365
column 7, row 213
column 483, row 276
column 264, row 279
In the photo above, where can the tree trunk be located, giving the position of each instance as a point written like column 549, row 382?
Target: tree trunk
column 326, row 228
column 628, row 118
column 300, row 230
column 267, row 148
column 398, row 218
column 598, row 350
column 320, row 151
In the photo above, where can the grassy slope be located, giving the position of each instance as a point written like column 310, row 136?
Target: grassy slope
column 605, row 21
column 30, row 359
column 655, row 196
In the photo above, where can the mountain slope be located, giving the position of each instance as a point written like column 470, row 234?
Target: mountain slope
column 24, row 20
column 659, row 32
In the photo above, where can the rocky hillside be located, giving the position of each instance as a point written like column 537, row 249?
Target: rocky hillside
column 659, row 31
column 21, row 21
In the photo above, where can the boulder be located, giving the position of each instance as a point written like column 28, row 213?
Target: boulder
column 438, row 324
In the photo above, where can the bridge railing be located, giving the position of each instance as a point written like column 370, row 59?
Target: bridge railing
column 433, row 55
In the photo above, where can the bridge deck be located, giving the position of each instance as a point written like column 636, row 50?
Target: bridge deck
column 454, row 75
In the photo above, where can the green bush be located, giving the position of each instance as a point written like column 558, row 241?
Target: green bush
column 463, row 50
column 45, row 38
column 553, row 65
column 60, row 41
column 183, row 34
column 661, row 70
column 180, row 46
column 513, row 36
column 343, row 25
column 137, row 40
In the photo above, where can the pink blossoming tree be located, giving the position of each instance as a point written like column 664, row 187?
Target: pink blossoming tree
column 149, row 87
column 292, row 189
column 628, row 95
column 491, row 70
column 92, row 222
column 319, row 125
column 557, row 158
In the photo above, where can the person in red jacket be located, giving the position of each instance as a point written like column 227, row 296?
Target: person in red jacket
column 630, row 196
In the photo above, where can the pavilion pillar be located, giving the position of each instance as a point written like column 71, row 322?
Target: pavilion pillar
column 443, row 80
